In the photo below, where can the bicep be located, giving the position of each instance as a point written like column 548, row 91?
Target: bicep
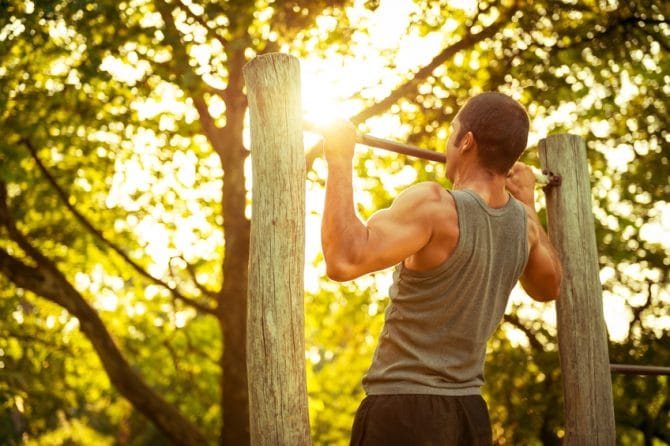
column 395, row 233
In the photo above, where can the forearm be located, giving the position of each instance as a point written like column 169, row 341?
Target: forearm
column 342, row 232
column 543, row 275
column 543, row 237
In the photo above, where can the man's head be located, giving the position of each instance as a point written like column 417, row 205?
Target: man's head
column 496, row 126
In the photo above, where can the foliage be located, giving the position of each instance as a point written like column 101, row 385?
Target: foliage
column 523, row 390
column 123, row 224
column 641, row 403
column 340, row 340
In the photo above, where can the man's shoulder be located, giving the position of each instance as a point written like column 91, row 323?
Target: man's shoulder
column 436, row 207
column 427, row 192
column 430, row 197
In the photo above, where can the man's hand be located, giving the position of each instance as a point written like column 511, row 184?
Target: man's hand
column 339, row 138
column 521, row 184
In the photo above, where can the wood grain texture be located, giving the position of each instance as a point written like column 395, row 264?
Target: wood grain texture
column 582, row 335
column 275, row 337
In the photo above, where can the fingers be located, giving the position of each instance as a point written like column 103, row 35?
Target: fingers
column 521, row 173
column 518, row 168
column 520, row 183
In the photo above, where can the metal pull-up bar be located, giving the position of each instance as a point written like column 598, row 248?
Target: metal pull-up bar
column 630, row 369
column 542, row 178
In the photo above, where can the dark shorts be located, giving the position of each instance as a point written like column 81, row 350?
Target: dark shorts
column 421, row 420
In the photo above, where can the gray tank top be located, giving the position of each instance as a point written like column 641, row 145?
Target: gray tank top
column 438, row 321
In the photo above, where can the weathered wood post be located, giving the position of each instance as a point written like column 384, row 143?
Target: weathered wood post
column 582, row 336
column 275, row 322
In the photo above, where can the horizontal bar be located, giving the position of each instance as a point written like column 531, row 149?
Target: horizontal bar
column 630, row 369
column 417, row 152
column 404, row 149
column 392, row 146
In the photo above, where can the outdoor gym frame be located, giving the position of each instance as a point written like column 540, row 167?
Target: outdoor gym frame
column 275, row 326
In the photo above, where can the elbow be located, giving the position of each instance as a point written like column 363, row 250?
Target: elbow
column 544, row 290
column 555, row 290
column 553, row 293
column 339, row 271
column 546, row 296
column 552, row 290
column 341, row 266
column 550, row 284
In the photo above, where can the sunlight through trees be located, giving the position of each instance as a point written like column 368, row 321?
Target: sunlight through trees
column 124, row 201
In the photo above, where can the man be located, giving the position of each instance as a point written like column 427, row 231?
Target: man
column 458, row 254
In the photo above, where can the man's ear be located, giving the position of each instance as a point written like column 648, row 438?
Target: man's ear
column 467, row 142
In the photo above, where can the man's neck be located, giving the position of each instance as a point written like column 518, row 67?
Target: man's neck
column 488, row 185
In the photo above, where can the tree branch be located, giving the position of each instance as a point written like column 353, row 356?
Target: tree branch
column 409, row 87
column 35, row 254
column 532, row 339
column 202, row 22
column 24, row 276
column 14, row 233
column 193, row 347
column 209, row 128
column 46, row 281
column 192, row 274
column 181, row 57
column 26, row 337
column 609, row 28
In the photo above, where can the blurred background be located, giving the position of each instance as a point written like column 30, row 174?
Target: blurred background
column 125, row 201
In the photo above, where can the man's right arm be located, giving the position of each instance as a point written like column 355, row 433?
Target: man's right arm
column 352, row 247
column 543, row 274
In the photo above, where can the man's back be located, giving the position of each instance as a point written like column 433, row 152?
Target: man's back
column 439, row 320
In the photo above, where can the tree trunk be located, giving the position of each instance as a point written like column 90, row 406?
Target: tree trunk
column 232, row 311
column 275, row 341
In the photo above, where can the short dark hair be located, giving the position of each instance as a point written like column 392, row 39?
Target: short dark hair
column 500, row 127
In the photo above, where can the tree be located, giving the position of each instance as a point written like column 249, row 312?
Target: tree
column 123, row 194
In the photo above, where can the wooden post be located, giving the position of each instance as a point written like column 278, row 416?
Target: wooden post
column 275, row 323
column 582, row 335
